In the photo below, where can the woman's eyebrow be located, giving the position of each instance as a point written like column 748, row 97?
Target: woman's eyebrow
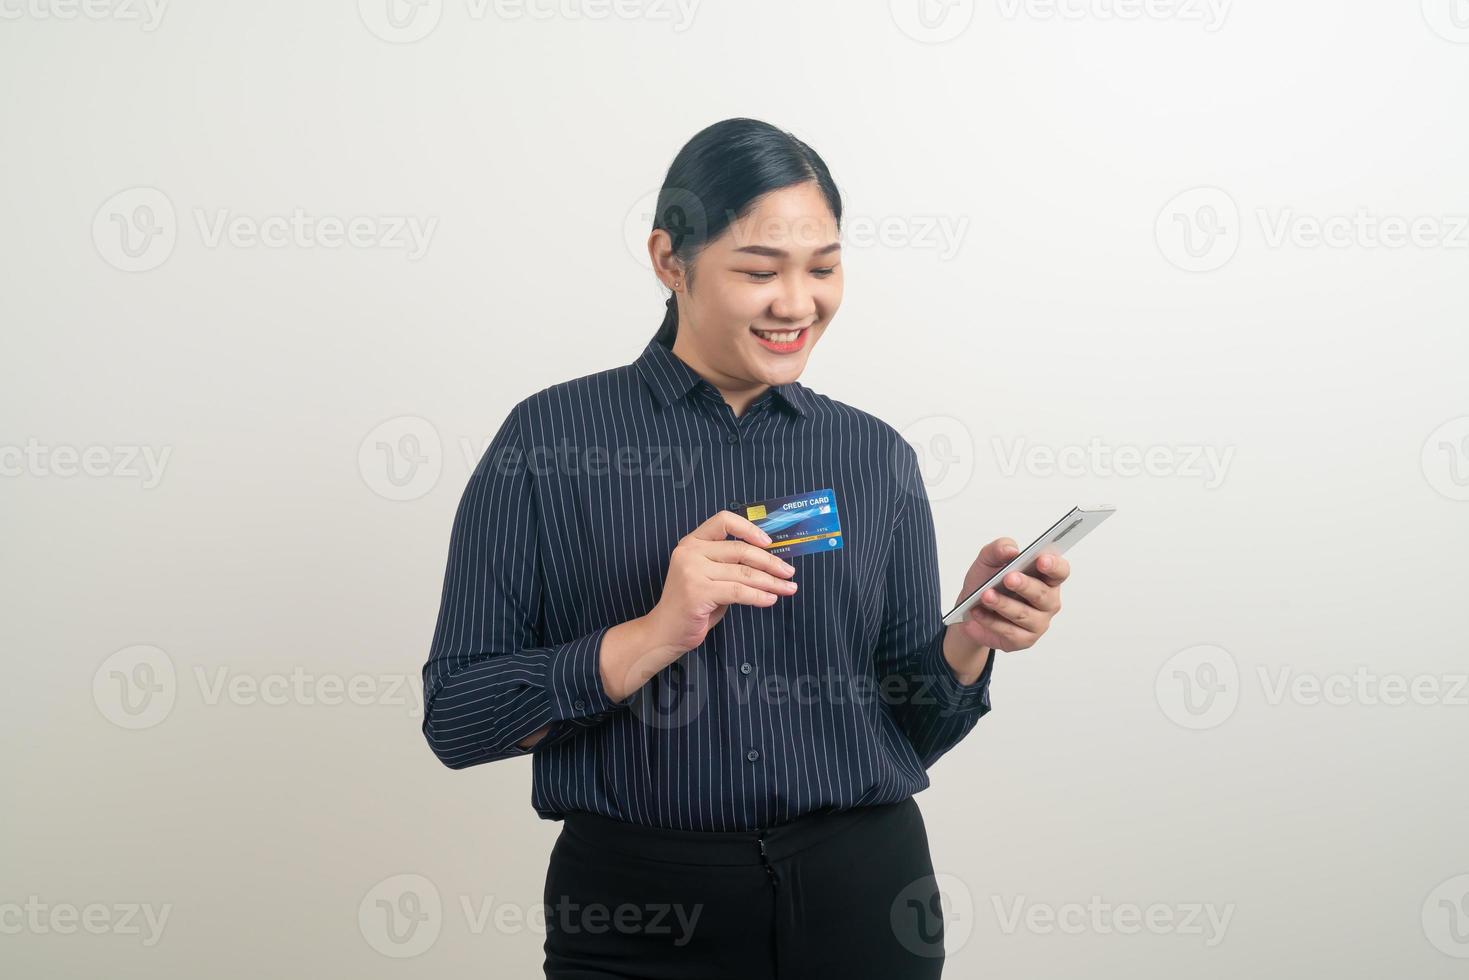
column 780, row 253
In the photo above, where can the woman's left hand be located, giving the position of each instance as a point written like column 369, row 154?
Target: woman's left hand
column 1001, row 622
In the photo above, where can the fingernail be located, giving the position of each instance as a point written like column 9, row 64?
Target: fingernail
column 1045, row 561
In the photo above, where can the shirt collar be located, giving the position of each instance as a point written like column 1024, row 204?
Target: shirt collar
column 670, row 378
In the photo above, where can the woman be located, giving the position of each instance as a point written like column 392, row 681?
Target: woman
column 705, row 599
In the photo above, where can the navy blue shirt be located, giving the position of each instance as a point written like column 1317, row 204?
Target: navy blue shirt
column 835, row 697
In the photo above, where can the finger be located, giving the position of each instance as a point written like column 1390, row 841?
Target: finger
column 1013, row 610
column 1053, row 568
column 739, row 552
column 726, row 523
column 998, row 552
column 996, row 632
column 726, row 593
column 719, row 571
column 1032, row 590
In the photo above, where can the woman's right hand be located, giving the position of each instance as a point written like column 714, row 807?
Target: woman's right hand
column 706, row 574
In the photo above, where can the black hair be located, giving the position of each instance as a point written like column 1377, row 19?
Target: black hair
column 717, row 178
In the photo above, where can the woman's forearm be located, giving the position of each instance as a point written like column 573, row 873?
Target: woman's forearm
column 629, row 656
column 967, row 658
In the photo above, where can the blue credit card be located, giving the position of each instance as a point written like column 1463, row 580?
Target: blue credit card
column 799, row 524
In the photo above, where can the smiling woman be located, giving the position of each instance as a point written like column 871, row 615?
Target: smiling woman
column 732, row 682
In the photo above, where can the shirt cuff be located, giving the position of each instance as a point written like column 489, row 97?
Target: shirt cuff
column 574, row 679
column 952, row 695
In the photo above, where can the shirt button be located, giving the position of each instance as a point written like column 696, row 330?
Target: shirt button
column 734, row 505
column 745, row 668
column 580, row 705
column 752, row 755
column 732, row 437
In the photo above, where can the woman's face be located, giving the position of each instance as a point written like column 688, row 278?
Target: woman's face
column 777, row 270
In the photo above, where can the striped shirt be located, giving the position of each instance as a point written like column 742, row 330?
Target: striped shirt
column 835, row 697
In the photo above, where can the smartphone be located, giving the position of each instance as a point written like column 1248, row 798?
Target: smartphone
column 1071, row 528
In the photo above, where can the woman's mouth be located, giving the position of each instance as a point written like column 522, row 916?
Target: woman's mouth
column 782, row 341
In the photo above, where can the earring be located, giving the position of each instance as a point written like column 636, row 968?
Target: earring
column 677, row 283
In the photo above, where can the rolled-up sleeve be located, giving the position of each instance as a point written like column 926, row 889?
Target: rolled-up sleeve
column 489, row 680
column 930, row 704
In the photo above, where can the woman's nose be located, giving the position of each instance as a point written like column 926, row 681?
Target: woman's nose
column 795, row 304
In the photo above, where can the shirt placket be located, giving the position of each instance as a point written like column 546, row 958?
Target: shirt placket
column 737, row 431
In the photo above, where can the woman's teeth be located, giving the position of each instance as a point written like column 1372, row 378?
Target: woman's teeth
column 784, row 336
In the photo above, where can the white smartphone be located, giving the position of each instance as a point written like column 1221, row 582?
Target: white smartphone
column 1075, row 525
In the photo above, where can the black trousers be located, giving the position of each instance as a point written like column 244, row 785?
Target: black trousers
column 847, row 895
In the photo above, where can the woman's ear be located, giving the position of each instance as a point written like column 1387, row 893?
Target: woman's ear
column 666, row 265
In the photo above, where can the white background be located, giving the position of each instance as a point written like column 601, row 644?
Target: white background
column 1096, row 240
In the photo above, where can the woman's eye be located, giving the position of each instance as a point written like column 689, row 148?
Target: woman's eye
column 767, row 276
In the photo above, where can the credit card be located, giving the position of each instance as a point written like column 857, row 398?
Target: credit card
column 799, row 524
